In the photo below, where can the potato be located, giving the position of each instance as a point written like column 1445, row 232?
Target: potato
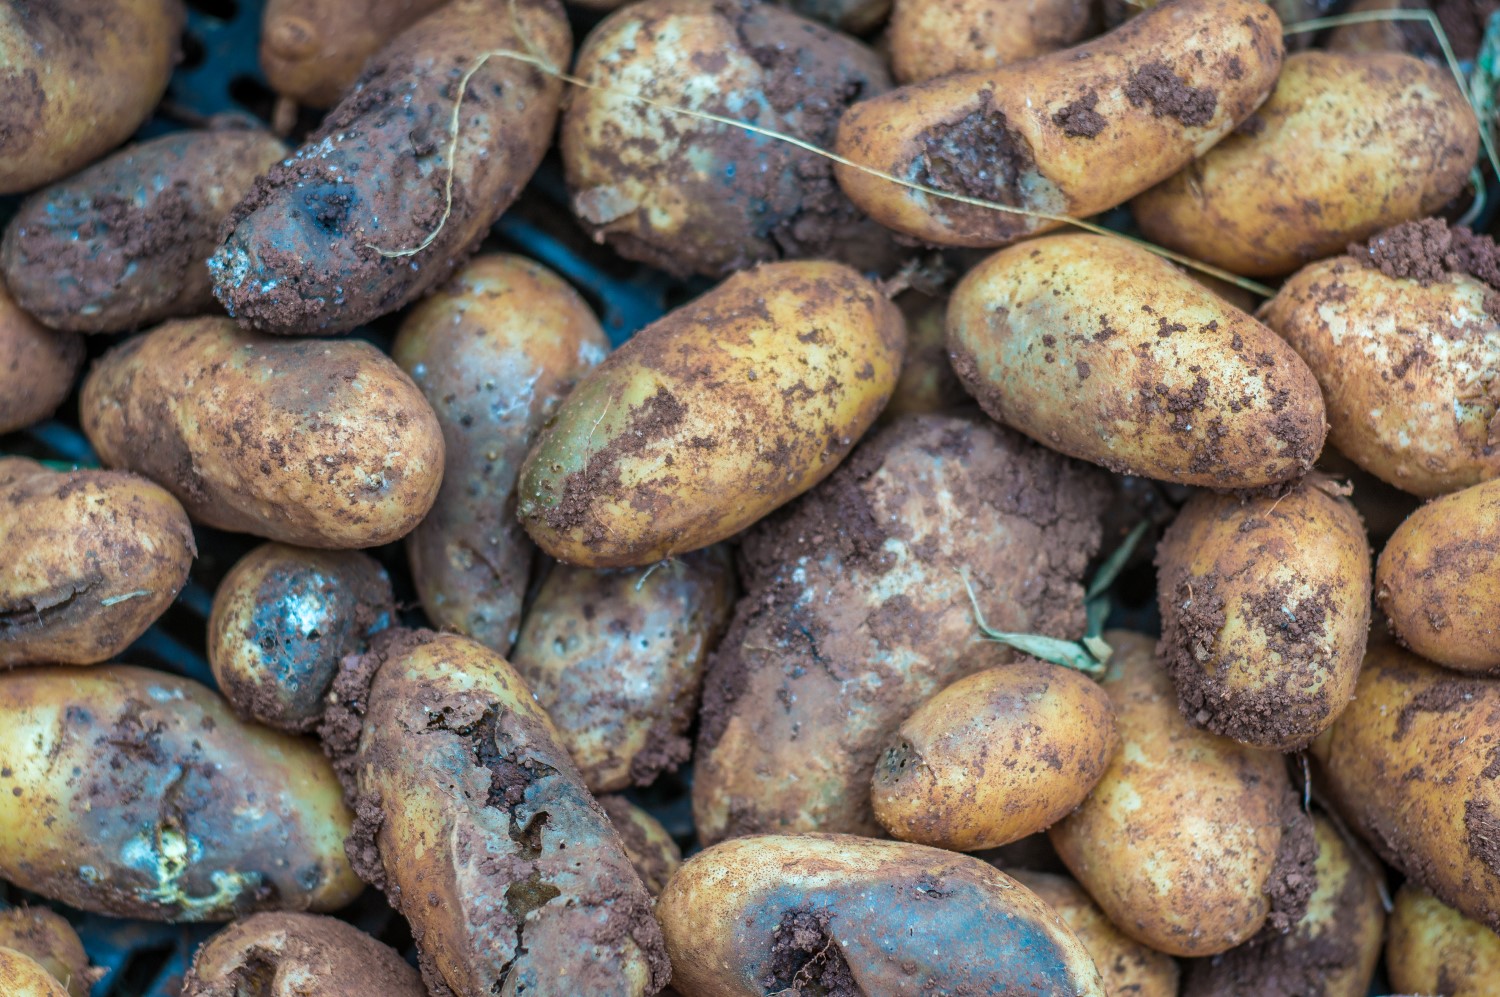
column 1347, row 145
column 855, row 613
column 1412, row 766
column 76, row 78
column 291, row 955
column 857, row 17
column 710, row 418
column 92, row 558
column 373, row 210
column 1097, row 348
column 310, row 442
column 138, row 794
column 1051, row 730
column 37, row 366
column 1463, row 21
column 616, row 659
column 283, row 619
column 1433, row 948
column 312, row 52
column 1070, row 133
column 927, row 382
column 495, row 351
column 695, row 196
column 477, row 825
column 1406, row 355
column 1191, row 843
column 21, row 976
column 651, row 851
column 1438, row 580
column 1129, row 968
column 932, row 38
column 45, row 936
column 125, row 243
column 837, row 914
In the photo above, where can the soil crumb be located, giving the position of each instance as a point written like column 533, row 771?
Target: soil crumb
column 1428, row 251
column 1170, row 96
column 805, row 959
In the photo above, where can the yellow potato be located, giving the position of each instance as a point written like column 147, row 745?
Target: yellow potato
column 313, row 50
column 931, row 38
column 21, row 976
column 45, row 936
column 1434, row 949
column 37, row 366
column 651, row 851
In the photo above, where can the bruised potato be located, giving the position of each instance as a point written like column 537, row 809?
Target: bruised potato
column 1433, row 948
column 22, row 976
column 651, row 851
column 932, row 38
column 37, row 366
column 287, row 955
column 313, row 51
column 46, row 936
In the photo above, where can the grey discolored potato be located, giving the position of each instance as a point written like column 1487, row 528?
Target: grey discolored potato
column 91, row 558
column 495, row 350
column 932, row 38
column 283, row 619
column 838, row 914
column 46, row 936
column 927, row 382
column 37, row 366
column 1438, row 580
column 995, row 756
column 855, row 613
column 317, row 443
column 1190, row 843
column 708, row 419
column 22, row 976
column 136, row 793
column 313, row 50
column 1432, row 948
column 651, row 851
column 697, row 196
column 616, row 659
column 1100, row 349
column 477, row 825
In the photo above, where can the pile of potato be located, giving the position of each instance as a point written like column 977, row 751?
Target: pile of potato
column 836, row 536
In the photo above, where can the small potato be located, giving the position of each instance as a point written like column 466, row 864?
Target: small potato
column 1438, row 580
column 45, row 936
column 91, row 559
column 37, row 366
column 995, row 756
column 283, row 619
column 76, row 78
column 927, row 382
column 495, row 350
column 932, row 38
column 1190, row 843
column 22, row 976
column 708, row 419
column 1071, row 133
column 1095, row 347
column 651, row 851
column 837, row 914
column 1434, row 949
column 616, row 659
column 311, row 442
column 135, row 793
column 381, row 205
column 313, row 50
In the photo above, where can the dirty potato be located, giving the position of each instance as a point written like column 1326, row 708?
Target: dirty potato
column 46, row 936
column 37, row 366
column 927, row 382
column 313, row 50
column 932, row 38
column 857, row 17
column 22, row 976
column 651, row 851
column 1433, row 948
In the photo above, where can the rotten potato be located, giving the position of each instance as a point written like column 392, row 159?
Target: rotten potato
column 46, row 936
column 651, row 851
column 311, row 52
column 1433, row 948
column 932, row 38
column 37, row 366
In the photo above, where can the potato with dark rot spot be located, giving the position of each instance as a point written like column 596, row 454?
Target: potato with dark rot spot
column 651, row 851
column 46, row 936
column 313, row 50
column 1432, row 948
column 22, row 976
column 927, row 382
column 38, row 366
column 932, row 38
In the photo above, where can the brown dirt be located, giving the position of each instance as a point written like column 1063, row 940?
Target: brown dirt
column 1079, row 119
column 1294, row 875
column 806, row 961
column 1170, row 96
column 1428, row 251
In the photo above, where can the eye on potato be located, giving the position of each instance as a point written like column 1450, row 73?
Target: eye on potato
column 313, row 51
column 1095, row 347
column 45, row 936
column 932, row 38
column 318, row 443
column 651, row 851
column 22, row 976
column 1433, row 948
column 37, row 366
column 495, row 350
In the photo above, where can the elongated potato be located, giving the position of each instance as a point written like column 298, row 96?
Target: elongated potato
column 708, row 419
column 1190, row 843
column 313, row 51
column 478, row 827
column 1434, row 949
column 1104, row 351
column 1438, row 580
column 838, row 914
column 91, row 558
column 37, row 366
column 22, row 976
column 309, row 442
column 44, row 935
column 288, row 955
column 1071, row 133
column 138, row 794
column 495, row 350
column 651, row 851
column 932, row 38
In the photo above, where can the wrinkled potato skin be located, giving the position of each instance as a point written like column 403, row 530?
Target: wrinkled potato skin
column 932, row 38
column 1062, row 338
column 313, row 51
column 616, row 659
column 37, row 366
column 316, row 443
column 1002, row 134
column 182, row 812
column 651, row 851
column 78, row 77
column 1348, row 145
column 1438, row 580
column 939, row 783
column 21, row 976
column 1193, row 879
column 92, row 558
column 1401, row 367
column 45, row 936
column 856, row 17
column 495, row 351
column 1404, row 777
column 708, row 419
column 1433, row 948
column 927, row 382
column 283, row 619
column 902, row 918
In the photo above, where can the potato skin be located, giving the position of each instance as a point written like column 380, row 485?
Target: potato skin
column 1433, row 948
column 303, row 252
column 1100, row 349
column 92, row 559
column 1070, row 133
column 927, row 382
column 38, row 366
column 181, row 813
column 46, row 936
column 651, row 851
column 495, row 350
column 22, row 976
column 713, row 416
column 747, row 916
column 1190, row 841
column 1438, row 580
column 939, row 783
column 616, row 659
column 932, row 38
column 316, row 443
column 857, row 17
column 313, row 51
